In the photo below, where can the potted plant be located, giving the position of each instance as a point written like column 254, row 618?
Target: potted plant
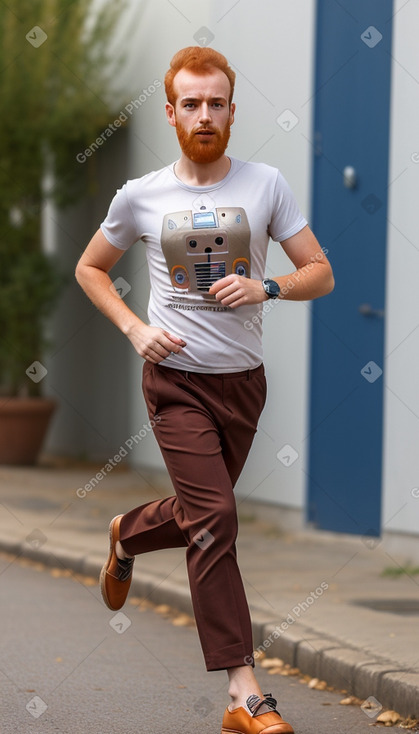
column 54, row 101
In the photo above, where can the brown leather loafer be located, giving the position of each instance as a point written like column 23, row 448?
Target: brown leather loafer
column 116, row 574
column 263, row 719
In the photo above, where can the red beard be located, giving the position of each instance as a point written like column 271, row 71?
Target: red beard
column 200, row 148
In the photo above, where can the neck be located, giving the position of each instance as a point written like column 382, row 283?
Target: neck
column 201, row 174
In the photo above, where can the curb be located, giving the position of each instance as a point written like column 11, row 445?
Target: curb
column 349, row 669
column 343, row 667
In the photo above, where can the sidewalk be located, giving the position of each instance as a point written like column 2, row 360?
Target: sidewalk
column 307, row 591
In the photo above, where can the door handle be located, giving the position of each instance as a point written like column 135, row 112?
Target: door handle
column 367, row 310
column 349, row 177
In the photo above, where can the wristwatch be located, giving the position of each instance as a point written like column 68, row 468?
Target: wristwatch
column 271, row 288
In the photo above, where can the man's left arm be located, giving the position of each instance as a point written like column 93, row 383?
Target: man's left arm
column 312, row 278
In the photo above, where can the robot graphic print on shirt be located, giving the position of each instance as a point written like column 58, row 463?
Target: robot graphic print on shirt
column 203, row 246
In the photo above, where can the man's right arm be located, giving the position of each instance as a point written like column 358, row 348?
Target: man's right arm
column 152, row 343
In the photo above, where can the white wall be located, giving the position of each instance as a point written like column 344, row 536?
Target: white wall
column 270, row 46
column 401, row 394
column 87, row 364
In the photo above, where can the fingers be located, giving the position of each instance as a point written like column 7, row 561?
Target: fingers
column 230, row 291
column 231, row 296
column 237, row 290
column 175, row 339
column 155, row 353
column 155, row 345
column 220, row 284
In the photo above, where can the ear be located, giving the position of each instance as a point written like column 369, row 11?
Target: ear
column 232, row 111
column 170, row 114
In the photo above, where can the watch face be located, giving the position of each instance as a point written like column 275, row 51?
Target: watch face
column 271, row 288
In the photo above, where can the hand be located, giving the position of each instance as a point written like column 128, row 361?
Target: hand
column 236, row 290
column 153, row 343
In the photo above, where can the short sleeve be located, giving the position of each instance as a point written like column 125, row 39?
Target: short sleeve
column 286, row 219
column 119, row 227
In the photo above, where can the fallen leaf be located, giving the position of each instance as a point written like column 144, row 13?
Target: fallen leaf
column 271, row 663
column 389, row 718
column 368, row 705
column 289, row 671
column 38, row 566
column 162, row 609
column 55, row 572
column 183, row 620
column 313, row 683
column 349, row 701
column 60, row 572
column 89, row 581
column 275, row 671
column 259, row 655
column 409, row 724
column 321, row 685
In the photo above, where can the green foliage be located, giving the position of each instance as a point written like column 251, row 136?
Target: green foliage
column 32, row 288
column 396, row 571
column 54, row 101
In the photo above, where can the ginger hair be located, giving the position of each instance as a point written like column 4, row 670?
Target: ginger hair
column 199, row 60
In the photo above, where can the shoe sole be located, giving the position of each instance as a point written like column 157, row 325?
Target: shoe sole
column 102, row 577
column 232, row 731
column 238, row 731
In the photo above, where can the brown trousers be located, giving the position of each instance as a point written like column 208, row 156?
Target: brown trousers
column 204, row 425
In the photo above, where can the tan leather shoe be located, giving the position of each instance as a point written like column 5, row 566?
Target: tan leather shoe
column 263, row 719
column 116, row 574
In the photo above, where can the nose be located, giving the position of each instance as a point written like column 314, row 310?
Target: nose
column 204, row 113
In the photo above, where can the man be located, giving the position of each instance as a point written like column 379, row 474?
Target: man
column 205, row 221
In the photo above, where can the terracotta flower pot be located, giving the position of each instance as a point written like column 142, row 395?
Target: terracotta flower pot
column 23, row 426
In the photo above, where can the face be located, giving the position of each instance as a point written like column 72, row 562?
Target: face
column 201, row 115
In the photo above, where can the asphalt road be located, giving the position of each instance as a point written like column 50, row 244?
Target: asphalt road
column 70, row 666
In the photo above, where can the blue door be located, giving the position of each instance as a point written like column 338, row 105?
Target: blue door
column 350, row 180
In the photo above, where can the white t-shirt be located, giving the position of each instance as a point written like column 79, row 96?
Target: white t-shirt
column 194, row 235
